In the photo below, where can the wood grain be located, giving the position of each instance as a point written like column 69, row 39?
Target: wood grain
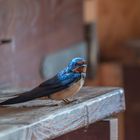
column 40, row 119
column 36, row 28
column 118, row 21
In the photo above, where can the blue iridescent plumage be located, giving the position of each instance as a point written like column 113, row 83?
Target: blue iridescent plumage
column 61, row 81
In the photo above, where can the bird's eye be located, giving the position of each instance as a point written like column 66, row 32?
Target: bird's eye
column 77, row 64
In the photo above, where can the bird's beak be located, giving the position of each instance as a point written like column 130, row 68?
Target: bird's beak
column 81, row 69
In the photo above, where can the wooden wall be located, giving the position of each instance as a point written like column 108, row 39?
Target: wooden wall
column 36, row 28
column 132, row 93
column 118, row 21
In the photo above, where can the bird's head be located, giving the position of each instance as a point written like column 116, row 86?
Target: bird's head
column 78, row 65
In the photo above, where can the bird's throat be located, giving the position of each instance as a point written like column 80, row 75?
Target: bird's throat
column 80, row 69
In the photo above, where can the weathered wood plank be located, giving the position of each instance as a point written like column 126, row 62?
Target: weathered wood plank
column 40, row 119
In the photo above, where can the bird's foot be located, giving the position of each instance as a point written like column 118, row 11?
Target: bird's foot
column 66, row 101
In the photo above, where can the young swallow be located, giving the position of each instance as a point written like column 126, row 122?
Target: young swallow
column 63, row 85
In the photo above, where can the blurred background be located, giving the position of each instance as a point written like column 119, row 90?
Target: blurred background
column 39, row 37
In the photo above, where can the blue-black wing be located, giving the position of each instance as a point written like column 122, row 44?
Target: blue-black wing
column 47, row 88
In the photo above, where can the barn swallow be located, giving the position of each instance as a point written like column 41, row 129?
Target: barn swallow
column 63, row 85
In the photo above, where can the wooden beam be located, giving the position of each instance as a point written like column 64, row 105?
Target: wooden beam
column 42, row 119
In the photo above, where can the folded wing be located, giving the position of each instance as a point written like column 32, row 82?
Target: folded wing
column 47, row 88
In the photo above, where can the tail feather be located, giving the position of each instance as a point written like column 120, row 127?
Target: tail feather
column 18, row 99
column 27, row 96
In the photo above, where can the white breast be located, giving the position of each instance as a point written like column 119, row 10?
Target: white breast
column 66, row 93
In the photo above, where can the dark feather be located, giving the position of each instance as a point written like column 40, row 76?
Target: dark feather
column 47, row 88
